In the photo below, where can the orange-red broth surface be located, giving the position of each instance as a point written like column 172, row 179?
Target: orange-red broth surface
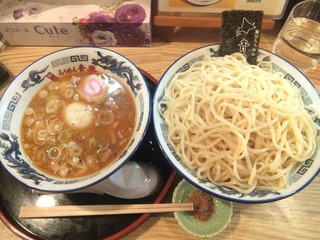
column 78, row 125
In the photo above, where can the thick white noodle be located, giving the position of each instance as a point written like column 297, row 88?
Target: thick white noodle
column 237, row 125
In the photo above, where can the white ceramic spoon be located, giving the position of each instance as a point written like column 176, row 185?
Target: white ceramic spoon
column 133, row 180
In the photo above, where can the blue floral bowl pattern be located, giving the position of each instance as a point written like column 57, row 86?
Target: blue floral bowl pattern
column 298, row 179
column 33, row 78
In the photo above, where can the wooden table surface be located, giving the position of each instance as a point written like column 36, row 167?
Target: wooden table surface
column 296, row 217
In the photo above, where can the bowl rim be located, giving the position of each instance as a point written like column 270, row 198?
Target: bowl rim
column 68, row 187
column 212, row 192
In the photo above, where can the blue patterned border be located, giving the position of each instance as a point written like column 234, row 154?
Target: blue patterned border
column 187, row 65
column 120, row 68
column 60, row 61
column 79, row 58
column 301, row 171
column 9, row 112
column 11, row 152
column 141, row 101
column 65, row 60
column 305, row 97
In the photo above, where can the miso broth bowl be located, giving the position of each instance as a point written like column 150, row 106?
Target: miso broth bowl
column 73, row 118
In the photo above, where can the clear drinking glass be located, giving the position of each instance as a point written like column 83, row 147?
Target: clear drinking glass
column 299, row 39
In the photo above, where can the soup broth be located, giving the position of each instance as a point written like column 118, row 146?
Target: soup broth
column 77, row 125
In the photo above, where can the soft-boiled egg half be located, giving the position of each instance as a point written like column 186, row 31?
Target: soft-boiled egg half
column 78, row 115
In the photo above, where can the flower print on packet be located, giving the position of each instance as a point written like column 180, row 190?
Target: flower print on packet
column 29, row 11
column 121, row 26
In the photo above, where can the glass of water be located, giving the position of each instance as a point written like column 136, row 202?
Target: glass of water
column 299, row 39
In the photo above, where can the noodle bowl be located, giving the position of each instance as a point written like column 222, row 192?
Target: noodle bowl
column 237, row 126
column 73, row 133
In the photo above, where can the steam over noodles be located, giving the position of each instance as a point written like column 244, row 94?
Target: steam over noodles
column 239, row 126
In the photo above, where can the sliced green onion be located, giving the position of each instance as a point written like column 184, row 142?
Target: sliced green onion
column 54, row 153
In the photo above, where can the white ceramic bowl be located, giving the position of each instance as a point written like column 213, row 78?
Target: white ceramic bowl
column 16, row 97
column 298, row 179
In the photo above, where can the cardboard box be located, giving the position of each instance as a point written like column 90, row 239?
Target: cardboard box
column 76, row 22
column 274, row 9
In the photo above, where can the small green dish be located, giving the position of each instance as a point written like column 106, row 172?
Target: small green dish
column 218, row 222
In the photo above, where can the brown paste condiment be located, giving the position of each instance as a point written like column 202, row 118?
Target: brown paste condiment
column 203, row 205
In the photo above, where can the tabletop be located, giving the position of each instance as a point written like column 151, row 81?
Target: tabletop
column 296, row 217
